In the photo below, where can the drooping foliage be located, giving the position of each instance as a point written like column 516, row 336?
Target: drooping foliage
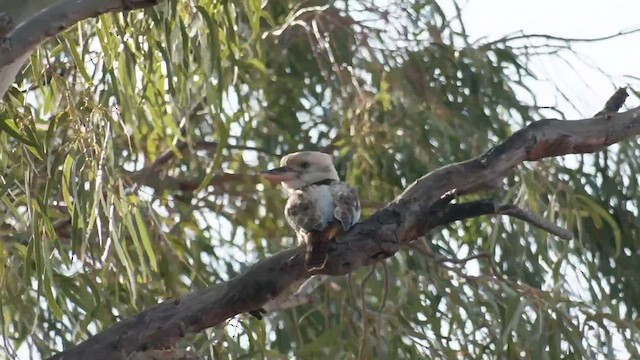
column 130, row 145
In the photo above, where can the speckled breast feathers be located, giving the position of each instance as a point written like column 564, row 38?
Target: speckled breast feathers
column 316, row 206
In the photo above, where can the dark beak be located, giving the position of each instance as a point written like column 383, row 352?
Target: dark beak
column 281, row 174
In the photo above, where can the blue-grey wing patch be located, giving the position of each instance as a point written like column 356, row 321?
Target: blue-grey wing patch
column 347, row 204
column 302, row 212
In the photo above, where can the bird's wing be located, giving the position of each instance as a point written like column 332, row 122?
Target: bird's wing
column 302, row 212
column 347, row 204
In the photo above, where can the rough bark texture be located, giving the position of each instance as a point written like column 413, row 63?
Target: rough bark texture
column 25, row 24
column 421, row 207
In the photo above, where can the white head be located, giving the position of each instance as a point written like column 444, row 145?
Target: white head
column 303, row 168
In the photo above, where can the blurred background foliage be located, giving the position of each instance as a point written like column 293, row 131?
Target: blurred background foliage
column 129, row 149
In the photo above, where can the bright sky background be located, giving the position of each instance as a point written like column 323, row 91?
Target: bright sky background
column 587, row 88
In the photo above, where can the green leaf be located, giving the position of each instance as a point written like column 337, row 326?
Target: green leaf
column 258, row 65
column 125, row 210
column 329, row 338
column 146, row 242
column 223, row 138
column 66, row 183
column 51, row 298
column 77, row 59
column 597, row 212
column 514, row 316
column 9, row 126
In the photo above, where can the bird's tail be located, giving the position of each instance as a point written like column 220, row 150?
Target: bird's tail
column 318, row 246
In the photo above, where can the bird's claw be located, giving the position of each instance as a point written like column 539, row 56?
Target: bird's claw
column 258, row 313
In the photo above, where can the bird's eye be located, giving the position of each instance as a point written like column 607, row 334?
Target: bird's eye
column 304, row 164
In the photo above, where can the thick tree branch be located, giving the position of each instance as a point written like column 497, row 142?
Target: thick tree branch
column 418, row 210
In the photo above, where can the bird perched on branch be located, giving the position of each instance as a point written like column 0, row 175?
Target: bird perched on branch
column 320, row 206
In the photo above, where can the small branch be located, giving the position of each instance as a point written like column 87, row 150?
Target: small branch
column 183, row 149
column 149, row 175
column 161, row 183
column 474, row 209
column 535, row 220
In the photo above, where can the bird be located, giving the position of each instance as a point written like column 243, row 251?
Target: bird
column 320, row 206
column 614, row 103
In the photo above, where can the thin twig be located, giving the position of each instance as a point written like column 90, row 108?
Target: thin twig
column 559, row 38
column 464, row 260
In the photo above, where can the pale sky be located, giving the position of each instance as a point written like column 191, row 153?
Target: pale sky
column 588, row 89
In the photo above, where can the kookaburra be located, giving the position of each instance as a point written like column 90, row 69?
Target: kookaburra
column 320, row 206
